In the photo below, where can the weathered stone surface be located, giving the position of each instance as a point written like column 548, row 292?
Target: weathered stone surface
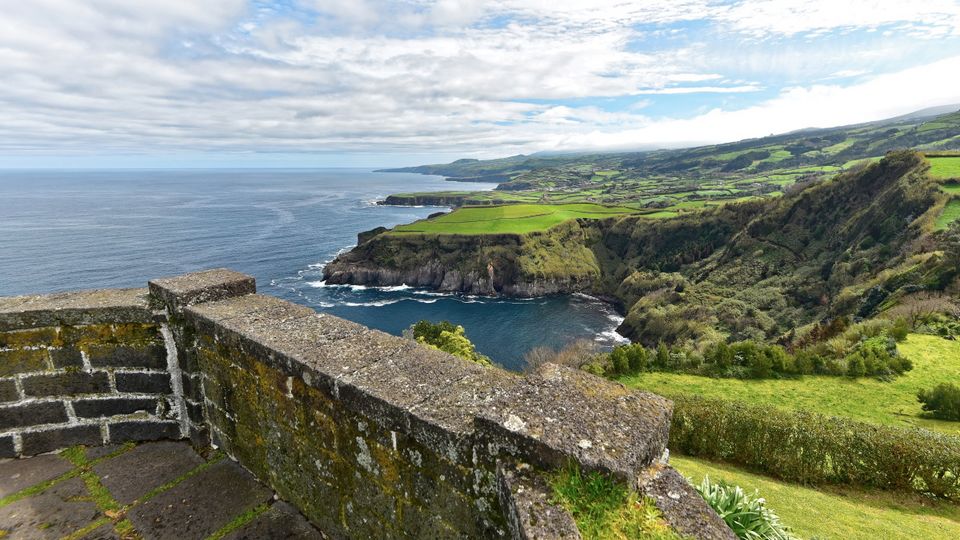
column 178, row 292
column 199, row 505
column 55, row 513
column 19, row 474
column 682, row 507
column 67, row 383
column 30, row 414
column 525, row 498
column 22, row 361
column 75, row 308
column 8, row 391
column 557, row 414
column 144, row 430
column 132, row 474
column 145, row 383
column 94, row 408
column 7, row 447
column 38, row 442
column 281, row 522
column 110, row 355
column 66, row 357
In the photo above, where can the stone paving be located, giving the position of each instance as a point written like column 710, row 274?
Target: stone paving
column 159, row 490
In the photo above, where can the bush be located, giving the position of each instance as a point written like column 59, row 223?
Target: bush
column 810, row 448
column 746, row 514
column 942, row 402
column 450, row 338
column 575, row 355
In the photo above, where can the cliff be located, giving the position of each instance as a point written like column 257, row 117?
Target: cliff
column 750, row 270
column 525, row 265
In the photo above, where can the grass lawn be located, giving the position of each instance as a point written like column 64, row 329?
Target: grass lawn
column 841, row 513
column 517, row 218
column 951, row 213
column 945, row 167
column 935, row 360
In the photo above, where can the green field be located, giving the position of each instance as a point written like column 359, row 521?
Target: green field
column 837, row 513
column 945, row 167
column 935, row 360
column 951, row 213
column 516, row 218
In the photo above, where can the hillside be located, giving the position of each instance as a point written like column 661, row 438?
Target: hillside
column 852, row 245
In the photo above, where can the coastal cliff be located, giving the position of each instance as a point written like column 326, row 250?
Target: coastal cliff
column 849, row 246
column 555, row 261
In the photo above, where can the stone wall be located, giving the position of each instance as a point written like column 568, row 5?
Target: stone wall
column 83, row 368
column 368, row 434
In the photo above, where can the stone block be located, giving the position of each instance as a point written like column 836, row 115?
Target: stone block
column 95, row 408
column 557, row 414
column 133, row 474
column 110, row 355
column 177, row 292
column 38, row 442
column 66, row 357
column 32, row 414
column 144, row 430
column 7, row 447
column 22, row 361
column 145, row 383
column 527, row 502
column 8, row 391
column 681, row 506
column 200, row 505
column 69, row 383
column 281, row 521
column 23, row 473
column 108, row 306
column 33, row 337
column 58, row 512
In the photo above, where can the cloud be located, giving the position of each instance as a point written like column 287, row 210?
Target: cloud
column 492, row 77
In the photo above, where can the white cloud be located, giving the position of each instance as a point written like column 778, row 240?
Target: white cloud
column 116, row 76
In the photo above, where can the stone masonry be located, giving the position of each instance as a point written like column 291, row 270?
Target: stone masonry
column 369, row 435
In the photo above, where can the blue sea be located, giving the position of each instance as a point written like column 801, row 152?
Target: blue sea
column 68, row 230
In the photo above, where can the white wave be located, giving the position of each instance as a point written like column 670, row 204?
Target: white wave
column 611, row 335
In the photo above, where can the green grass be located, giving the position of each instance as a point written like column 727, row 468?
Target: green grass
column 516, row 218
column 944, row 167
column 841, row 513
column 606, row 510
column 950, row 213
column 935, row 360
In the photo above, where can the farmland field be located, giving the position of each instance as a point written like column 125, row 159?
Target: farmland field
column 837, row 512
column 935, row 360
column 945, row 167
column 516, row 218
column 950, row 214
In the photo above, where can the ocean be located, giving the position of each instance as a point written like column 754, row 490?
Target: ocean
column 69, row 230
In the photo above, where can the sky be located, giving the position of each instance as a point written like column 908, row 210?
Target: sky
column 326, row 83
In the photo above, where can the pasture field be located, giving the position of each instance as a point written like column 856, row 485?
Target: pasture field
column 935, row 360
column 951, row 213
column 515, row 218
column 944, row 167
column 836, row 512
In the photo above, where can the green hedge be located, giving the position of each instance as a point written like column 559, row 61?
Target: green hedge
column 811, row 448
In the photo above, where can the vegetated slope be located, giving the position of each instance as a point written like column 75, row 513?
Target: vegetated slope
column 853, row 245
column 801, row 258
column 753, row 167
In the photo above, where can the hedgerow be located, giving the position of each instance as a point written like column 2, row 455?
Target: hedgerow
column 811, row 448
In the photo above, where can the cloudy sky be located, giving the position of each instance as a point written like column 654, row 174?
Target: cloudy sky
column 377, row 82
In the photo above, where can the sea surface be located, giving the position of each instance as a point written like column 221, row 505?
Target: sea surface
column 68, row 230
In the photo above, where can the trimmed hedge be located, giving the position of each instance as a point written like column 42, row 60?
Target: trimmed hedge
column 811, row 448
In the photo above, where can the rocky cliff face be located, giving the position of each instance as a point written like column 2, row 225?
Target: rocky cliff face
column 536, row 264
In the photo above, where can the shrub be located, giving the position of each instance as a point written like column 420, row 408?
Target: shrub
column 574, row 354
column 804, row 447
column 942, row 402
column 747, row 514
column 450, row 338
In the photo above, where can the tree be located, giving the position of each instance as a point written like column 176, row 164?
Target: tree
column 942, row 402
column 449, row 338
